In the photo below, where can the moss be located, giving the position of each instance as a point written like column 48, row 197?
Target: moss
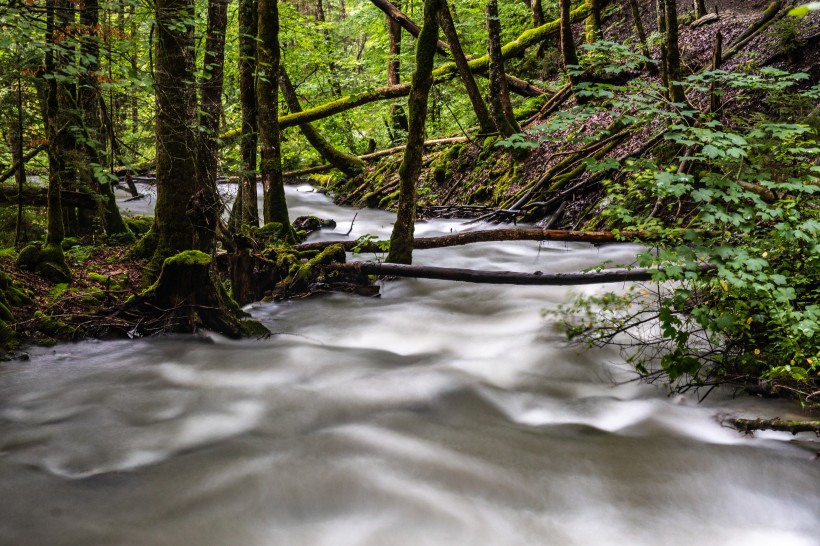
column 10, row 294
column 388, row 199
column 145, row 247
column 253, row 328
column 70, row 242
column 302, row 275
column 29, row 257
column 47, row 261
column 188, row 258
column 50, row 326
column 139, row 225
column 271, row 231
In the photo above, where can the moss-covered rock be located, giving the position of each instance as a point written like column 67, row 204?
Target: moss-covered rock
column 139, row 225
column 48, row 261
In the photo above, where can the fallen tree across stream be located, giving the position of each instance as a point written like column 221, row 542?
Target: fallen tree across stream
column 783, row 425
column 494, row 235
column 495, row 277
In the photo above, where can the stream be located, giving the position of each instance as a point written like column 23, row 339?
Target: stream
column 438, row 413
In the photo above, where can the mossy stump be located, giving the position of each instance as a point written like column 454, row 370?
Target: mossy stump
column 186, row 298
column 48, row 261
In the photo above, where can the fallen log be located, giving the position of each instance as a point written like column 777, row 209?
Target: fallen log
column 496, row 235
column 773, row 12
column 495, row 277
column 374, row 155
column 38, row 197
column 783, row 425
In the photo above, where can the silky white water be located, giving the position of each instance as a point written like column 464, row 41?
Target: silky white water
column 438, row 413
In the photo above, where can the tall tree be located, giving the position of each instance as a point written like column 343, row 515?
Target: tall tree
column 700, row 8
column 274, row 208
column 672, row 61
column 207, row 206
column 537, row 13
column 401, row 240
column 246, row 200
column 593, row 23
column 175, row 91
column 89, row 100
column 568, row 53
column 485, row 122
column 498, row 94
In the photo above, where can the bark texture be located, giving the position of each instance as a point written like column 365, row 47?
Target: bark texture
column 274, row 207
column 401, row 240
column 498, row 94
column 174, row 87
column 247, row 198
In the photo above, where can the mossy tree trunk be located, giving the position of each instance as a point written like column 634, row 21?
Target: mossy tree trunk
column 350, row 165
column 174, row 87
column 485, row 122
column 274, row 208
column 59, row 136
column 568, row 53
column 498, row 94
column 88, row 97
column 246, row 201
column 593, row 23
column 206, row 207
column 401, row 240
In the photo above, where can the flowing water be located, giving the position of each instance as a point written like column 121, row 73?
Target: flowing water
column 438, row 413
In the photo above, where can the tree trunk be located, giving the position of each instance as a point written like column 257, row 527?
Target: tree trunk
column 593, row 23
column 700, row 8
column 17, row 147
column 88, row 96
column 398, row 117
column 274, row 208
column 639, row 29
column 59, row 137
column 174, row 87
column 537, row 13
column 206, row 208
column 247, row 198
column 660, row 8
column 350, row 165
column 673, row 68
column 717, row 54
column 485, row 123
column 499, row 97
column 401, row 240
column 568, row 53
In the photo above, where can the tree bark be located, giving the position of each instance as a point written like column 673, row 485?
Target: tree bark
column 274, row 208
column 673, row 67
column 568, row 53
column 593, row 23
column 206, row 207
column 499, row 97
column 485, row 123
column 537, row 13
column 247, row 198
column 348, row 164
column 88, row 95
column 401, row 240
column 700, row 8
column 495, row 277
column 495, row 235
column 639, row 29
column 660, row 9
column 174, row 87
